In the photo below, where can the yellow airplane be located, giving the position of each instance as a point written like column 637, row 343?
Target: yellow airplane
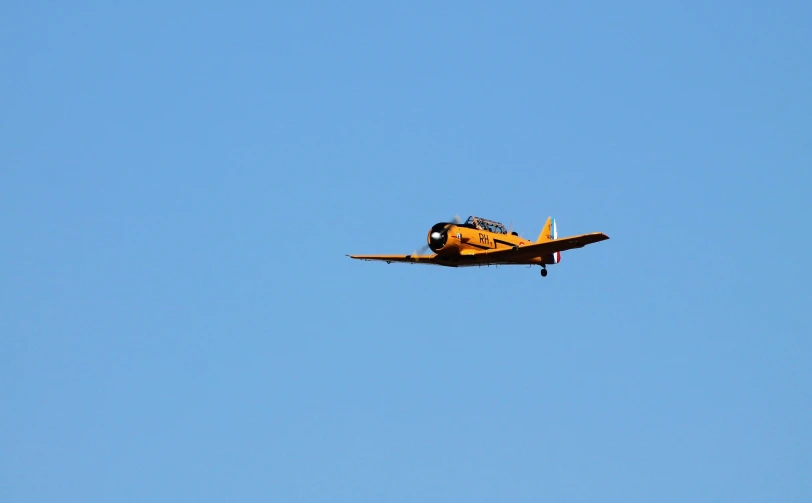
column 478, row 242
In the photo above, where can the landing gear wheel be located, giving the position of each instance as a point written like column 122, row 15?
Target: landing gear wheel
column 544, row 273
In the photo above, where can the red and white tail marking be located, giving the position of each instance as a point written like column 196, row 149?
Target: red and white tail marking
column 556, row 255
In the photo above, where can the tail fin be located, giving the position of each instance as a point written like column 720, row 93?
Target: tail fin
column 550, row 233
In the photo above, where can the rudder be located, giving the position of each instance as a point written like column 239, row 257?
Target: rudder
column 547, row 231
column 550, row 233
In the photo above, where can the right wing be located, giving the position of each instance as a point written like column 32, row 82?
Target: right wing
column 540, row 249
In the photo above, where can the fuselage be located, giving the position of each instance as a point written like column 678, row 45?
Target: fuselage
column 450, row 239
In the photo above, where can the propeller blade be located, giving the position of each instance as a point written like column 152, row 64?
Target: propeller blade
column 421, row 251
column 455, row 221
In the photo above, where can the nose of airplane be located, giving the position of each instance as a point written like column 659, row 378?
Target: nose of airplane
column 438, row 236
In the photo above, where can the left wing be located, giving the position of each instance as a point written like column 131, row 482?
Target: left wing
column 411, row 259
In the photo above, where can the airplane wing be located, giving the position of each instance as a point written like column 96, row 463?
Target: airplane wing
column 540, row 249
column 410, row 259
column 505, row 256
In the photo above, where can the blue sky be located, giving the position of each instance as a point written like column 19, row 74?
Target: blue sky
column 181, row 181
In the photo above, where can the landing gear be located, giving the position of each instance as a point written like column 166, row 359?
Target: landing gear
column 543, row 271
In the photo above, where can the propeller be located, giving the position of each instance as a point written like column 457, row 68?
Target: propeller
column 436, row 236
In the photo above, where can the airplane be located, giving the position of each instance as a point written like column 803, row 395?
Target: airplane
column 482, row 242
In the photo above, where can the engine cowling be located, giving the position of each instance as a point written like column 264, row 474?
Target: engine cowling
column 438, row 236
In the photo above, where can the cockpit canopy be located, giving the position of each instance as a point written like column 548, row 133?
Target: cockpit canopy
column 485, row 225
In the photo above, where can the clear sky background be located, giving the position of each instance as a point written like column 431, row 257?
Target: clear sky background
column 180, row 183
